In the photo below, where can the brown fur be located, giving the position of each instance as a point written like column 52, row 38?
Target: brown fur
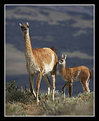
column 68, row 73
column 74, row 74
column 36, row 58
column 90, row 74
column 40, row 54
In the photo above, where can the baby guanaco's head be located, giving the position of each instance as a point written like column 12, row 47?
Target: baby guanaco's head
column 62, row 60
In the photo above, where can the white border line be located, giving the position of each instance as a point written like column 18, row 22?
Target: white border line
column 94, row 57
column 5, row 58
column 50, row 5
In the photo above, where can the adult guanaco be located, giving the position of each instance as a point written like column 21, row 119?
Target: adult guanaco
column 39, row 62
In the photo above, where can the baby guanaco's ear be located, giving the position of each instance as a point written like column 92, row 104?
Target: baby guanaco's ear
column 65, row 56
column 62, row 55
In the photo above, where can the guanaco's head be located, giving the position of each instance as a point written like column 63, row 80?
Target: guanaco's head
column 62, row 60
column 24, row 28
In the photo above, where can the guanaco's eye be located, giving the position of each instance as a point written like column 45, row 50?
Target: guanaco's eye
column 23, row 28
column 61, row 61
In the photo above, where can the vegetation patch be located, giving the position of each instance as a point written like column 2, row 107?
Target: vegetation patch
column 20, row 102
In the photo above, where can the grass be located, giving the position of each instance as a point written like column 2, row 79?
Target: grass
column 20, row 102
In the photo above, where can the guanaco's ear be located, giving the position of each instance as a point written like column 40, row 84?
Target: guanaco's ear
column 27, row 23
column 65, row 56
column 62, row 56
column 20, row 24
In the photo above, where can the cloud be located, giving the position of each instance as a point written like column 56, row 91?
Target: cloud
column 36, row 13
column 77, row 9
column 78, row 54
column 82, row 23
column 46, row 38
column 15, row 61
column 50, row 16
column 80, row 32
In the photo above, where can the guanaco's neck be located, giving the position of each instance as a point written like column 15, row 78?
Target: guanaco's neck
column 28, row 46
column 63, row 69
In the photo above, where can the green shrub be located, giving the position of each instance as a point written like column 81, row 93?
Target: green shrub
column 80, row 105
column 21, row 102
column 15, row 94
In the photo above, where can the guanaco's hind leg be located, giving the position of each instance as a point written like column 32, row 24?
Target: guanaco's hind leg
column 85, row 85
column 53, row 86
column 70, row 89
column 53, row 75
column 85, row 81
column 48, row 83
column 37, row 86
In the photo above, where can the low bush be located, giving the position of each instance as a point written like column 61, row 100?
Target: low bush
column 19, row 101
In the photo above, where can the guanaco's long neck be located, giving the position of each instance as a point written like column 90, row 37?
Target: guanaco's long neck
column 63, row 70
column 28, row 46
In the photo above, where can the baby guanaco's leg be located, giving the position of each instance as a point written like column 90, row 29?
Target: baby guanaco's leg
column 63, row 88
column 84, row 84
column 70, row 89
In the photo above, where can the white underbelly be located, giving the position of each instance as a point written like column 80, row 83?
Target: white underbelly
column 49, row 67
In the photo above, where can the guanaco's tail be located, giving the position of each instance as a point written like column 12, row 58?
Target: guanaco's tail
column 90, row 74
column 56, row 66
column 54, row 49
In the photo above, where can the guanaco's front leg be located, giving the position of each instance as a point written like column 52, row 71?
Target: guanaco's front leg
column 63, row 88
column 31, row 82
column 33, row 85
